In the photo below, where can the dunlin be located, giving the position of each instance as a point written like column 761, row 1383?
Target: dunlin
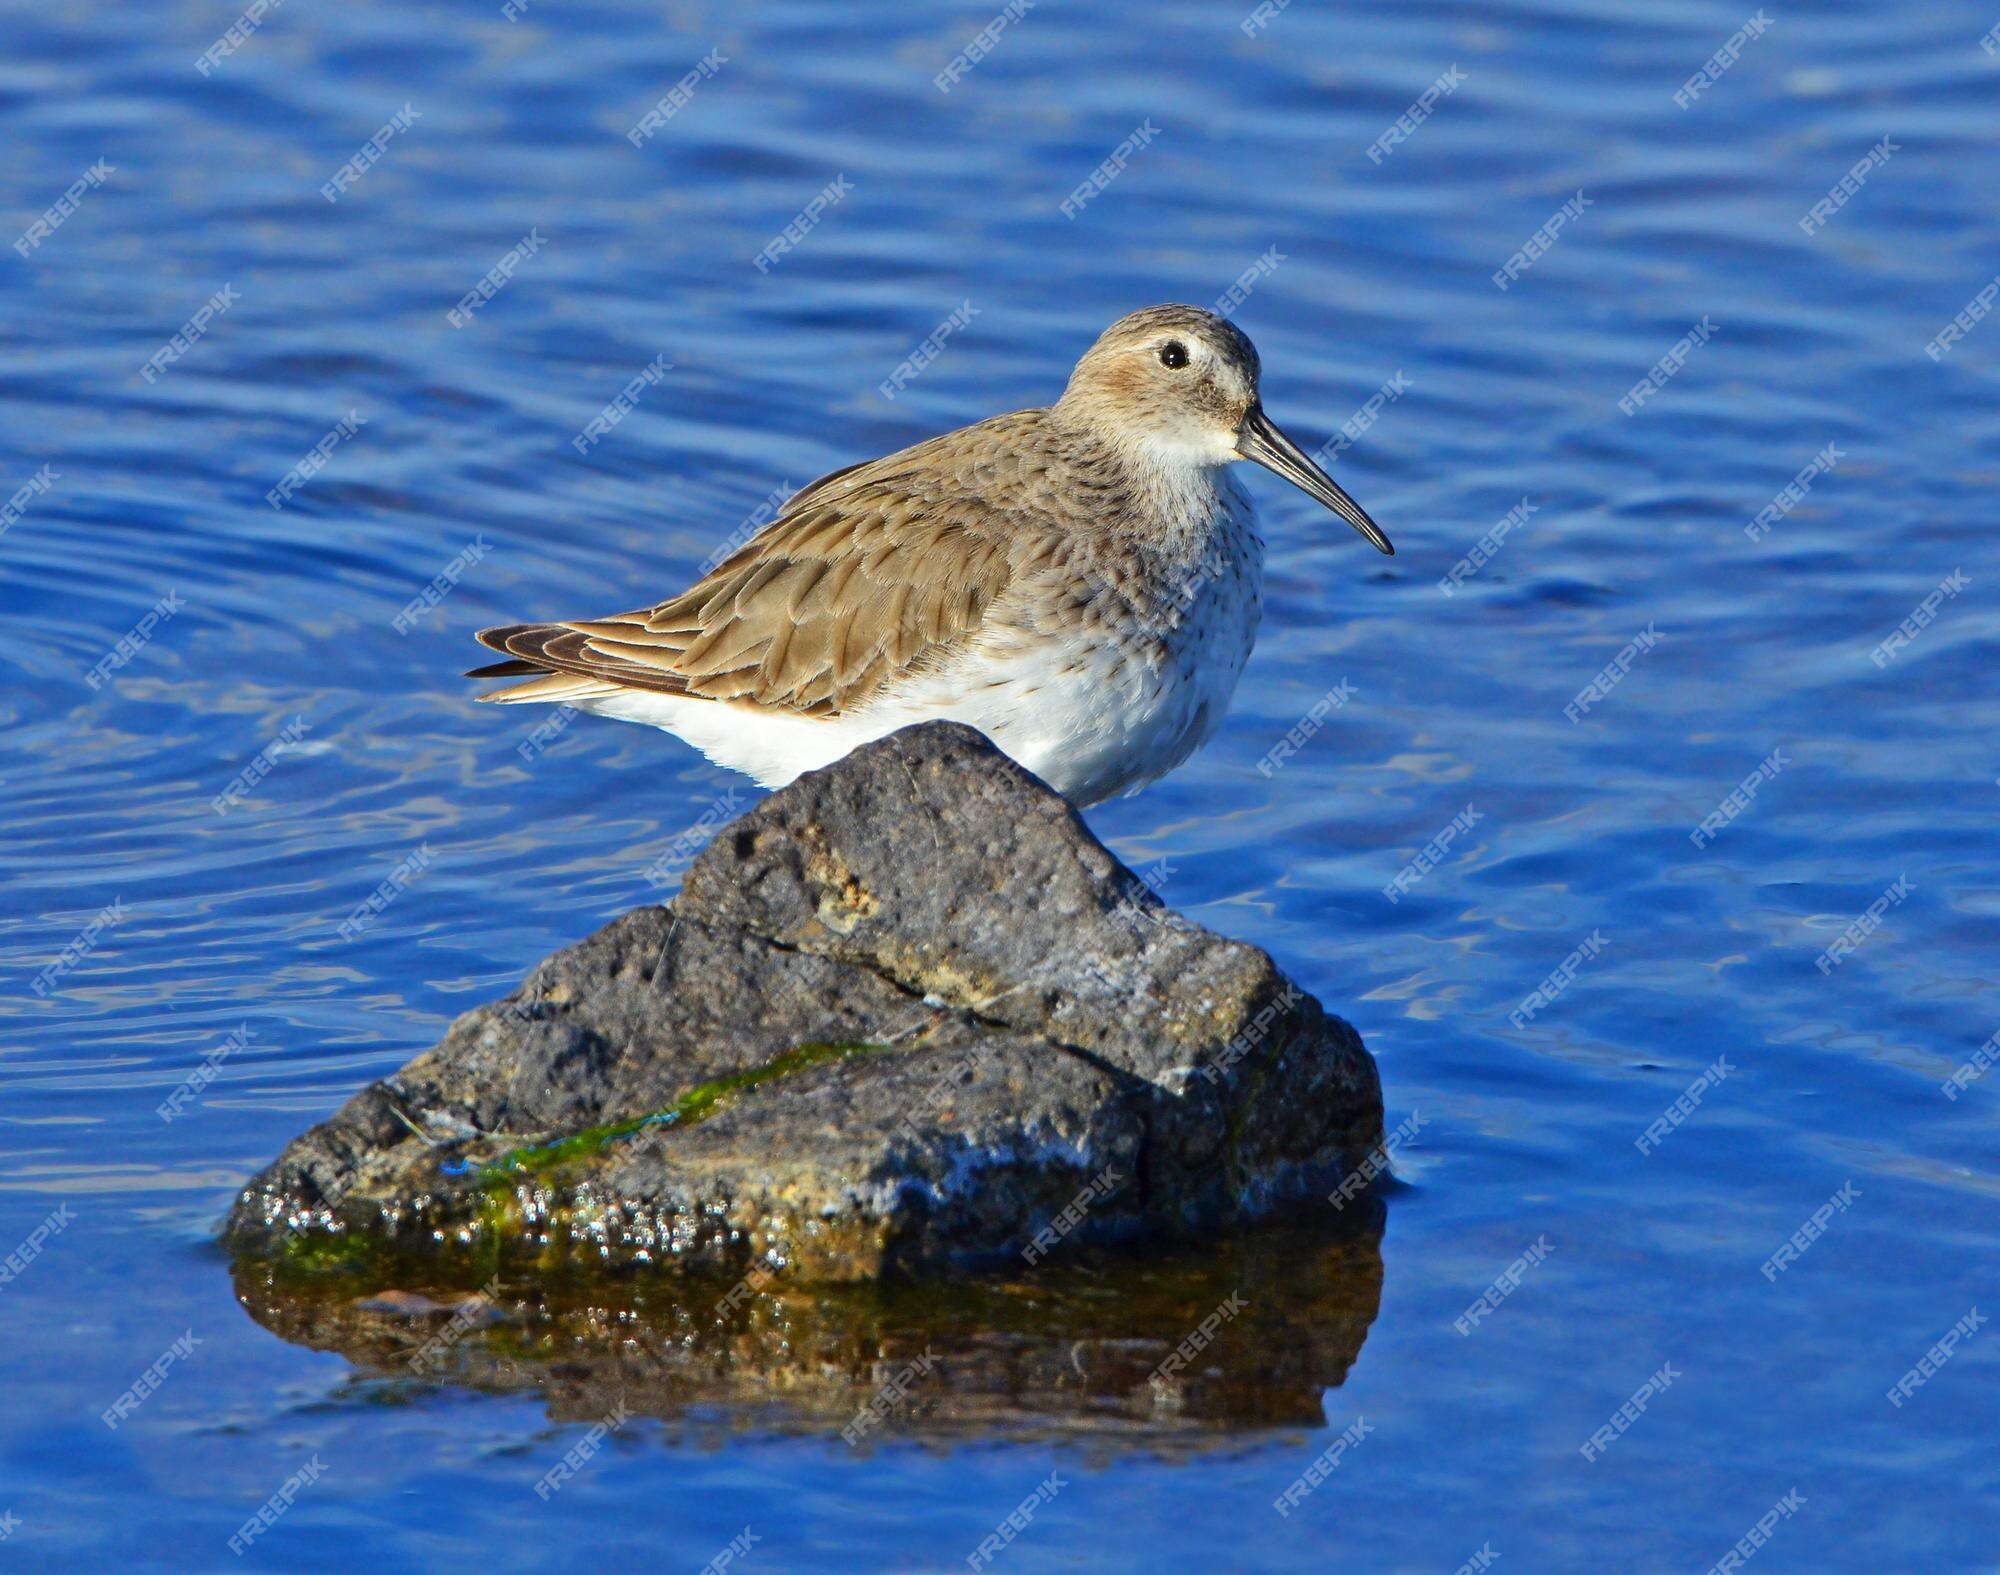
column 1081, row 583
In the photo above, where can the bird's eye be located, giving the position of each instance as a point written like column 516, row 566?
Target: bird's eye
column 1173, row 353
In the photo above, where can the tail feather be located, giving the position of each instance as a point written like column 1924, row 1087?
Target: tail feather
column 550, row 688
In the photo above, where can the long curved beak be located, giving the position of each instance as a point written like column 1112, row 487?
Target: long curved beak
column 1261, row 441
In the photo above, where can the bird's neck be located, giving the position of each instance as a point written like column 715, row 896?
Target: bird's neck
column 1173, row 493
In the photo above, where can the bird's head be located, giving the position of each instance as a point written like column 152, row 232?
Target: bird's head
column 1176, row 386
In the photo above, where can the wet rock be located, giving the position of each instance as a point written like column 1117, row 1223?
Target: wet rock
column 1092, row 1345
column 905, row 1014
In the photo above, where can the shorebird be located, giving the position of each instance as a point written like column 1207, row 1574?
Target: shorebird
column 1080, row 582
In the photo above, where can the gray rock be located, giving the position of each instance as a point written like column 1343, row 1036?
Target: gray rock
column 905, row 1014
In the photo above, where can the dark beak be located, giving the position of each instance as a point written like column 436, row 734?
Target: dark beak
column 1263, row 442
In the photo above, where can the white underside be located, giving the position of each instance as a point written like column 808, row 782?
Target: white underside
column 1091, row 719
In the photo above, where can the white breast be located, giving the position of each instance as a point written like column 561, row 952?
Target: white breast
column 1100, row 713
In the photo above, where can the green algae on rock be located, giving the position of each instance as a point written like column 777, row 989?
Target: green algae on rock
column 901, row 1016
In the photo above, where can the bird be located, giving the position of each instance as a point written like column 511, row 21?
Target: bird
column 1081, row 582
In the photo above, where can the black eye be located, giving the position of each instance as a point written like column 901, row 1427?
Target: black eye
column 1173, row 353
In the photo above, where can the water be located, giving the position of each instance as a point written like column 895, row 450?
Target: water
column 1383, row 271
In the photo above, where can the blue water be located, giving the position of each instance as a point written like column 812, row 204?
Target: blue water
column 1528, row 1134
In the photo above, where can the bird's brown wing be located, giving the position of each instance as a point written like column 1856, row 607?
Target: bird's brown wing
column 864, row 578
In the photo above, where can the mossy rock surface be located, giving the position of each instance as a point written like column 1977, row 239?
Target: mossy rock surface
column 901, row 1014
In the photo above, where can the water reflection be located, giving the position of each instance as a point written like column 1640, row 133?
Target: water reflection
column 1068, row 1350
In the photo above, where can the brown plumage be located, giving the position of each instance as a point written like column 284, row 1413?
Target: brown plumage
column 1002, row 539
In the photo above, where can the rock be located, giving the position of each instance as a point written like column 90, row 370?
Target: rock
column 1084, row 1346
column 905, row 1014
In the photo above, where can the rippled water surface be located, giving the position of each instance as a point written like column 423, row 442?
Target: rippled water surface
column 1631, row 553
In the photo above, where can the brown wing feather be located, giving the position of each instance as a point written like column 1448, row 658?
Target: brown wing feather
column 871, row 572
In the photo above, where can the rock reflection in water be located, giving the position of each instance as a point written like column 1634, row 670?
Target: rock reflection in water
column 1071, row 1348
